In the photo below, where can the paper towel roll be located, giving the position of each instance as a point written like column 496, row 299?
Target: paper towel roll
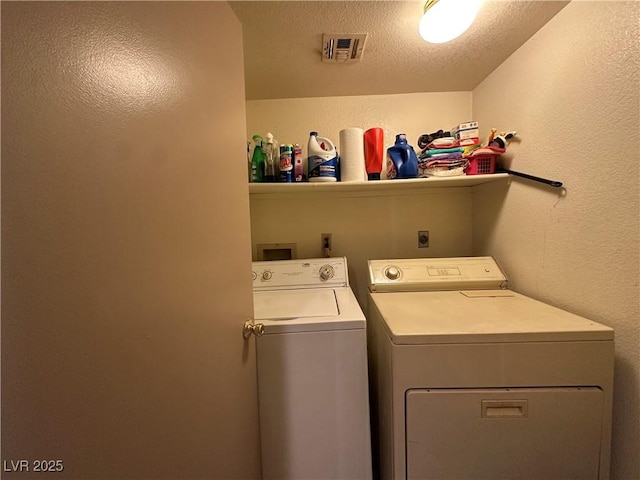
column 352, row 155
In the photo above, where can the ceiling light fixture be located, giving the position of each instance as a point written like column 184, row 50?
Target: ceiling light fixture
column 444, row 20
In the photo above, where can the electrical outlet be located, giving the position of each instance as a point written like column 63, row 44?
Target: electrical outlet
column 423, row 239
column 326, row 245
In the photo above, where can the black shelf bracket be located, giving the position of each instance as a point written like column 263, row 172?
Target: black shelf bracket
column 546, row 181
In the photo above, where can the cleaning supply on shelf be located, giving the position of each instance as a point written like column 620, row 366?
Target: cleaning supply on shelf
column 501, row 140
column 249, row 142
column 402, row 161
column 322, row 158
column 286, row 164
column 352, row 155
column 257, row 160
column 373, row 152
column 465, row 130
column 271, row 159
column 298, row 165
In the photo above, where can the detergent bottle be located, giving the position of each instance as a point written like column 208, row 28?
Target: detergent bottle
column 322, row 159
column 257, row 160
column 402, row 161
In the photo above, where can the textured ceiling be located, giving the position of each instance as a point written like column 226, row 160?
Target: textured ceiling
column 283, row 42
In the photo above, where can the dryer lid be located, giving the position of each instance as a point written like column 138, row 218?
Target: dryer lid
column 479, row 316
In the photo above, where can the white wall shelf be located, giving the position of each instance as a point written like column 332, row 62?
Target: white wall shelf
column 380, row 187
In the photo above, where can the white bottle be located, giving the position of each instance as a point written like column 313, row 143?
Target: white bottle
column 322, row 159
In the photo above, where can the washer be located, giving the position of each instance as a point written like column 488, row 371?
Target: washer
column 472, row 380
column 312, row 371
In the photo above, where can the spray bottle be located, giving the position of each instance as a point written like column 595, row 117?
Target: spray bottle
column 257, row 160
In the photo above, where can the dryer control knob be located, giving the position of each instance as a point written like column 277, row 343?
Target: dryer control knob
column 266, row 275
column 326, row 272
column 392, row 273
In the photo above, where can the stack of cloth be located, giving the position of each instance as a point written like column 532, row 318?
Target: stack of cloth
column 443, row 157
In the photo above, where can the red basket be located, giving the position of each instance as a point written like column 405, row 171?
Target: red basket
column 481, row 164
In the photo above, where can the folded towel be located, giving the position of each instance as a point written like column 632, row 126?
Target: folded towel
column 439, row 156
column 444, row 164
column 446, row 143
column 436, row 151
column 443, row 142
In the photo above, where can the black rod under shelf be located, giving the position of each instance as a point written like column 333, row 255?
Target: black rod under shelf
column 546, row 181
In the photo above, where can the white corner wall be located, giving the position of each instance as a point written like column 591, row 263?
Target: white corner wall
column 363, row 226
column 572, row 93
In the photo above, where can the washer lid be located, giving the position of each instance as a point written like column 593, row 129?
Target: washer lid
column 307, row 310
column 479, row 316
column 290, row 304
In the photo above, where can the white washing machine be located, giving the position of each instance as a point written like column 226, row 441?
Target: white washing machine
column 473, row 381
column 312, row 371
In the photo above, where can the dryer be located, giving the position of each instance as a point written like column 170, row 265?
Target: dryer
column 471, row 380
column 312, row 371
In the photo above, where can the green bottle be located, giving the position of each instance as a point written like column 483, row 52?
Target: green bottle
column 257, row 160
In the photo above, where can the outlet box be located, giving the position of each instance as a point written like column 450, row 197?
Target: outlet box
column 423, row 239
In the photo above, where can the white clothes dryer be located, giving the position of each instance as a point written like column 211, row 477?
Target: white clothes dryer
column 312, row 371
column 471, row 380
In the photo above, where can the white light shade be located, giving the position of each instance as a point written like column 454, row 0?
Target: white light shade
column 445, row 20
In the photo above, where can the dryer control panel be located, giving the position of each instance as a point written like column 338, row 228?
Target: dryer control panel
column 423, row 274
column 306, row 273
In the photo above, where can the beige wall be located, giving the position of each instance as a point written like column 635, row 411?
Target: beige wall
column 363, row 225
column 291, row 120
column 572, row 93
column 366, row 226
column 125, row 242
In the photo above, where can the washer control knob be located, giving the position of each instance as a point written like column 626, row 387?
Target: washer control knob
column 392, row 273
column 266, row 275
column 326, row 272
column 254, row 275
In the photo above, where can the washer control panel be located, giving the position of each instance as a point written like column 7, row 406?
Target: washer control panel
column 460, row 273
column 307, row 273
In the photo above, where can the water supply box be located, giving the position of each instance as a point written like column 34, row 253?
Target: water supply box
column 465, row 130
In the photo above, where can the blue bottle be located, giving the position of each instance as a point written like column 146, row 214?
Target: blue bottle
column 402, row 161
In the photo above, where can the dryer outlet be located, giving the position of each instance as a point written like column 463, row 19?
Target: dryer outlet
column 326, row 244
column 423, row 238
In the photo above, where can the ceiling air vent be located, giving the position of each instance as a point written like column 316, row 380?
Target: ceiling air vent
column 343, row 48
